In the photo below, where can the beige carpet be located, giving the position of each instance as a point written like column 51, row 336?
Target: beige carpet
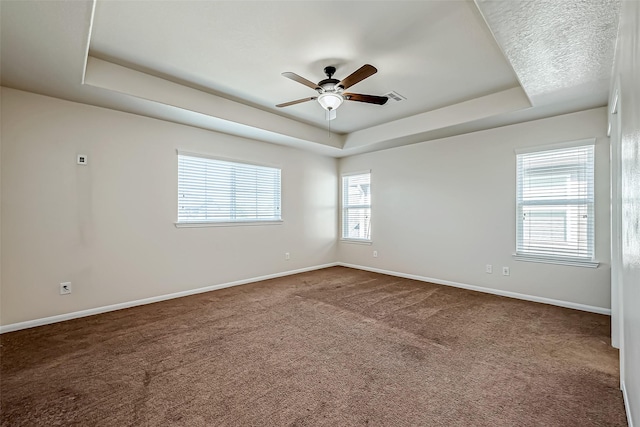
column 334, row 347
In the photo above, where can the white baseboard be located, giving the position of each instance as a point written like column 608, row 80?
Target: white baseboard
column 566, row 304
column 90, row 312
column 627, row 405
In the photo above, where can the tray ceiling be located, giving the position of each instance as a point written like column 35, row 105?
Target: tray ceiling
column 218, row 64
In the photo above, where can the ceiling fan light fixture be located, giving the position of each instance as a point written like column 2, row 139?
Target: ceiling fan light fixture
column 330, row 100
column 330, row 90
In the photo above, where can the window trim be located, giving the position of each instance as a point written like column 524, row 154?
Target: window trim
column 558, row 260
column 352, row 240
column 226, row 223
column 227, row 159
column 557, row 146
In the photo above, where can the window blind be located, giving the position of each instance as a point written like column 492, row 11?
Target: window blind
column 356, row 207
column 211, row 190
column 555, row 203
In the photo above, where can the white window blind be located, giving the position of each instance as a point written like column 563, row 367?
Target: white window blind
column 555, row 204
column 356, row 207
column 211, row 190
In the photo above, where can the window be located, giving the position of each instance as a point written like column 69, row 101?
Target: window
column 356, row 207
column 555, row 205
column 216, row 191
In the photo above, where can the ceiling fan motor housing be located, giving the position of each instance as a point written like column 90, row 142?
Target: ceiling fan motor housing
column 329, row 84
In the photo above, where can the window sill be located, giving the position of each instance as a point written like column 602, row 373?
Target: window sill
column 225, row 224
column 558, row 261
column 356, row 241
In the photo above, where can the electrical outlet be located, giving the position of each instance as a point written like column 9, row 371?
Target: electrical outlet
column 65, row 288
column 375, row 254
column 505, row 271
column 287, row 256
column 488, row 269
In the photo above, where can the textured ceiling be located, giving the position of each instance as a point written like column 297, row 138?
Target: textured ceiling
column 554, row 45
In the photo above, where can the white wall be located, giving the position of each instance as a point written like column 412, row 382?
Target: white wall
column 109, row 227
column 444, row 209
column 627, row 172
column 0, row 207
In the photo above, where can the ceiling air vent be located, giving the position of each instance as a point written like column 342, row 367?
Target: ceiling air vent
column 395, row 96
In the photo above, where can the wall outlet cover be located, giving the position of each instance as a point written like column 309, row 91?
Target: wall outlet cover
column 65, row 288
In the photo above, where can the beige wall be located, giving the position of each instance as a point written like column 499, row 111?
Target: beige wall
column 444, row 209
column 626, row 144
column 109, row 227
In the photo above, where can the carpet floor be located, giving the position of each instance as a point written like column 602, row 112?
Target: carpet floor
column 333, row 347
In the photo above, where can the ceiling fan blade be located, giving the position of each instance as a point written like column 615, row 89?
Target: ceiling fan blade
column 299, row 79
column 371, row 99
column 297, row 101
column 358, row 75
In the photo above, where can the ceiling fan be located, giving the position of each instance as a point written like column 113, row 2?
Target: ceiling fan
column 331, row 91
